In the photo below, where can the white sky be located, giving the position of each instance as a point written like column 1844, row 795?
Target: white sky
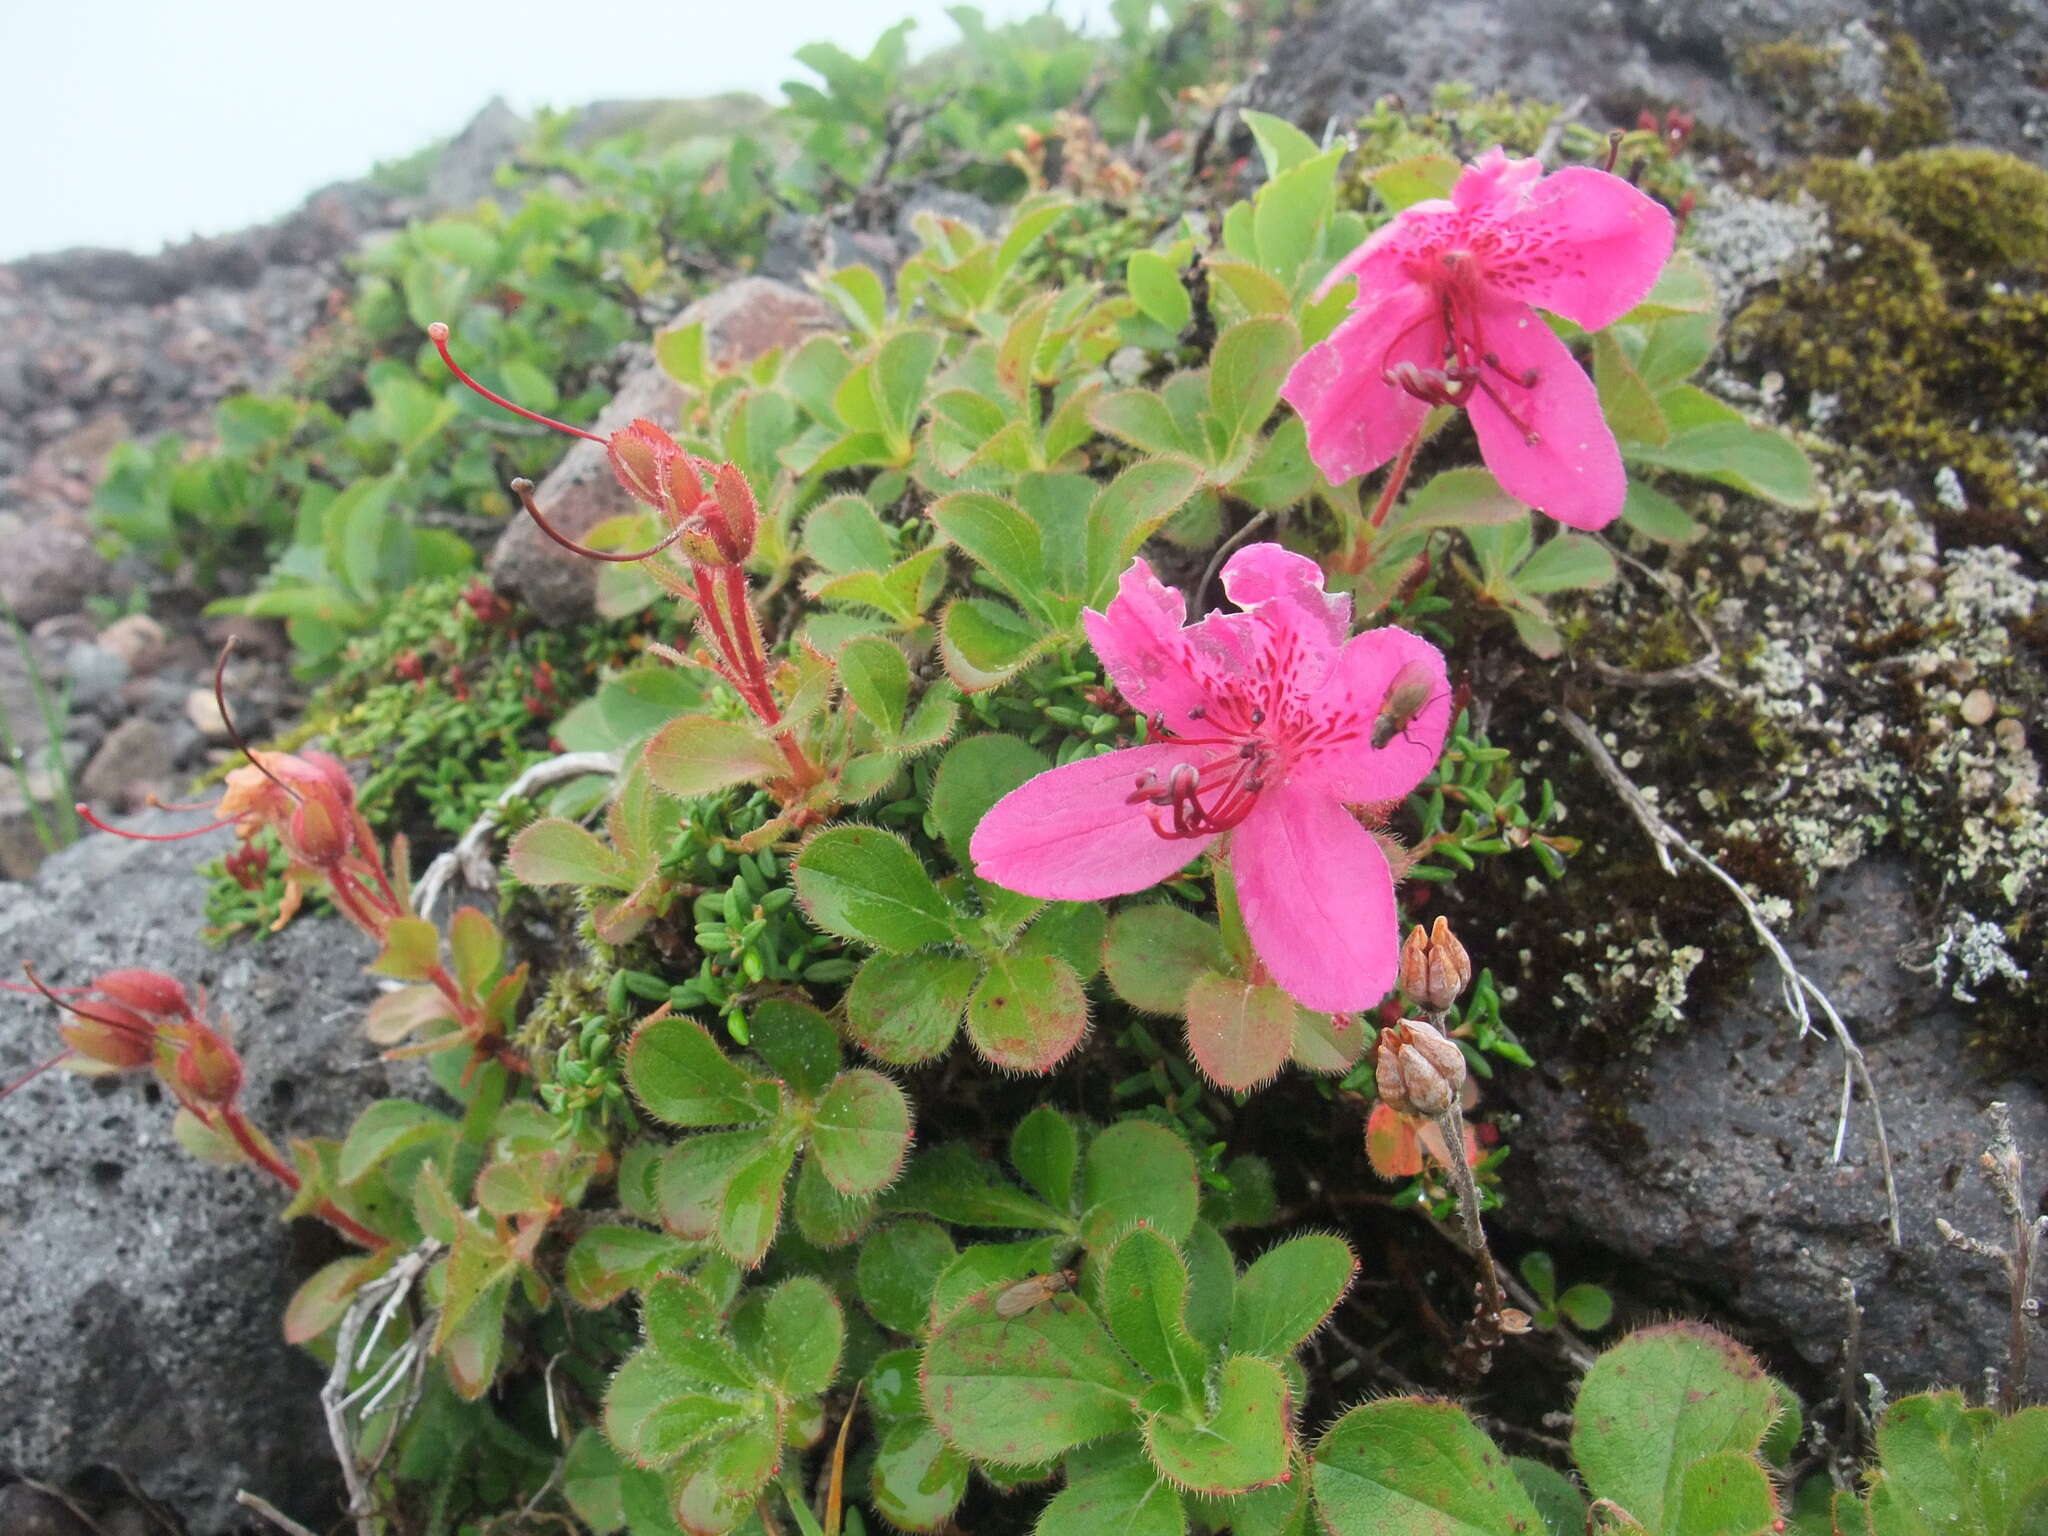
column 136, row 122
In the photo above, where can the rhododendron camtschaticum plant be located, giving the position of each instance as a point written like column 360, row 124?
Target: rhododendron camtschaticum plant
column 1446, row 315
column 1268, row 726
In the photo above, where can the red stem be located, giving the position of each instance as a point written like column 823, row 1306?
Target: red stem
column 1389, row 494
column 244, row 1136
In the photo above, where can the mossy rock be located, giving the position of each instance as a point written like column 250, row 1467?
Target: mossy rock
column 1925, row 321
column 1808, row 83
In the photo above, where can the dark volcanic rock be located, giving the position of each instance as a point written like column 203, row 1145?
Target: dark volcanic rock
column 143, row 1290
column 1624, row 54
column 1710, row 1160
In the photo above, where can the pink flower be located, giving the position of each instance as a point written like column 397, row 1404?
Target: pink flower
column 1267, row 724
column 1444, row 316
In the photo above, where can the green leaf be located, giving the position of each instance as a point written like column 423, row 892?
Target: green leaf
column 1138, row 1172
column 685, row 1327
column 860, row 1133
column 802, row 1333
column 1288, row 1292
column 1656, row 516
column 1069, row 931
column 844, row 534
column 691, row 1181
column 1758, row 461
column 982, row 643
column 1144, row 1296
column 798, row 1043
column 1416, row 179
column 1155, row 952
column 1281, row 145
column 825, row 1217
column 1124, row 1496
column 898, row 1267
column 1568, row 561
column 1457, row 498
column 1928, row 1446
column 1250, row 363
column 864, row 883
column 679, row 350
column 700, row 754
column 1724, row 1494
column 1676, row 348
column 1245, row 1443
column 1281, row 472
column 900, row 371
column 1625, row 400
column 1682, row 288
column 1139, row 417
column 1289, row 214
column 958, row 1186
column 1588, row 1307
column 1659, row 1401
column 1019, row 1391
column 679, row 1074
column 1028, row 1012
column 607, row 1261
column 654, row 1412
column 918, row 1480
column 877, row 680
column 1557, row 1496
column 998, row 536
column 753, row 1203
column 1155, row 284
column 1239, row 1032
column 556, row 852
column 1046, row 1148
column 974, row 774
column 905, row 1008
column 382, row 1131
column 477, row 948
column 1125, row 513
column 412, row 948
column 1406, row 1467
column 2012, row 1474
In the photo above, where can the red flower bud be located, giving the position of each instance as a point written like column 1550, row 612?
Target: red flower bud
column 208, row 1072
column 317, row 834
column 145, row 992
column 409, row 666
column 113, row 1036
column 737, row 511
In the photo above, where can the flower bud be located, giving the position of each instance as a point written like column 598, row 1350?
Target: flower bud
column 112, row 1036
column 737, row 510
column 145, row 992
column 1435, row 969
column 208, row 1072
column 318, row 835
column 1418, row 1072
column 644, row 458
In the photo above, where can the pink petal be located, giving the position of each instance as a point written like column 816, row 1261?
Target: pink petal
column 1590, row 246
column 1318, row 900
column 1071, row 834
column 1302, row 627
column 1144, row 647
column 1384, row 264
column 1353, row 699
column 1493, row 186
column 1356, row 420
column 1573, row 468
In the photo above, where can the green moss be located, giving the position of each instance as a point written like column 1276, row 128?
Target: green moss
column 1804, row 80
column 1978, row 207
column 1926, row 321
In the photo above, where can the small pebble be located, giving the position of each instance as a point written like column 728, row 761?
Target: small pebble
column 203, row 710
column 2011, row 734
column 1978, row 706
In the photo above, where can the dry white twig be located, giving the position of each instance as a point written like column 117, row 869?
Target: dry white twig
column 269, row 1511
column 384, row 1295
column 471, row 855
column 1794, row 986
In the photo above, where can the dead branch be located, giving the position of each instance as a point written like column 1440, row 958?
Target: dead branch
column 2006, row 1172
column 471, row 855
column 1795, row 987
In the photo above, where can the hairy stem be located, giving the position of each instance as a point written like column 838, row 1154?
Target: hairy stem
column 1475, row 1353
column 258, row 1151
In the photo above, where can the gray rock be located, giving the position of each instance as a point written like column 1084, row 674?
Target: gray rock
column 143, row 1290
column 1622, row 54
column 1711, row 1159
column 50, row 567
column 138, row 755
column 95, row 675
